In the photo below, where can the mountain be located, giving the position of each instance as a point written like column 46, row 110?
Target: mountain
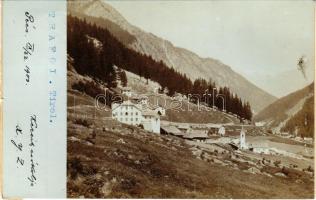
column 293, row 113
column 182, row 60
column 95, row 51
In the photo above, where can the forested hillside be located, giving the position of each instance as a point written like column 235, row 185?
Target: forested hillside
column 98, row 60
column 182, row 60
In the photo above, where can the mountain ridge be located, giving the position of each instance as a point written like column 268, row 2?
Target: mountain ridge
column 277, row 115
column 181, row 59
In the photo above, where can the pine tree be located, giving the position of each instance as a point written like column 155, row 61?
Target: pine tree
column 98, row 63
column 123, row 78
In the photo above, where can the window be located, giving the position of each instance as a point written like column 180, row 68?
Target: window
column 136, row 113
column 132, row 113
column 136, row 119
column 126, row 113
column 131, row 119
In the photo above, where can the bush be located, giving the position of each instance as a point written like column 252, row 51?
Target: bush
column 74, row 167
column 309, row 169
column 277, row 163
column 83, row 122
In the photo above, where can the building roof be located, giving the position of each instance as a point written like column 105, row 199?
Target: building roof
column 172, row 130
column 149, row 112
column 128, row 103
column 214, row 126
column 155, row 107
column 184, row 126
column 143, row 97
column 135, row 97
column 194, row 133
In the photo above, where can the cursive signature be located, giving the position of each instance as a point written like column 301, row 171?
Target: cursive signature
column 33, row 126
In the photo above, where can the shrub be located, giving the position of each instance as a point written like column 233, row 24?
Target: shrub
column 310, row 169
column 83, row 122
column 277, row 163
column 74, row 167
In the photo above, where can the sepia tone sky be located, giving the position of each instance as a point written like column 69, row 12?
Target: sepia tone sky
column 262, row 40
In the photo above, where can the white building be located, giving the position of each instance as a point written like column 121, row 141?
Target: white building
column 160, row 110
column 264, row 150
column 243, row 144
column 140, row 99
column 151, row 121
column 221, row 131
column 156, row 90
column 126, row 91
column 127, row 112
column 308, row 139
column 143, row 100
column 133, row 114
column 166, row 91
column 177, row 96
column 259, row 124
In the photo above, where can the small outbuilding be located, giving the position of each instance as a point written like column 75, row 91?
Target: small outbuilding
column 126, row 91
column 196, row 135
column 221, row 131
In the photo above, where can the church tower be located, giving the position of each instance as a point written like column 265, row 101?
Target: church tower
column 242, row 139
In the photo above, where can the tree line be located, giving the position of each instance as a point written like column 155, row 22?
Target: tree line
column 96, row 51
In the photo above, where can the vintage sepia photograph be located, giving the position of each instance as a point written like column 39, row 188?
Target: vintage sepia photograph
column 190, row 99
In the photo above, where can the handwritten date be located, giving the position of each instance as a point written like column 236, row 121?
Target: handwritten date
column 28, row 20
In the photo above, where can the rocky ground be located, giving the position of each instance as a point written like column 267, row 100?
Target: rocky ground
column 111, row 160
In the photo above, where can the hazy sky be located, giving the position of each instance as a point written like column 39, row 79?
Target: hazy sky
column 261, row 40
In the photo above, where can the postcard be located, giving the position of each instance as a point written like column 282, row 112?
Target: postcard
column 158, row 99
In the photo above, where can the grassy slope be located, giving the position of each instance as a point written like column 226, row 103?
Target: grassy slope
column 109, row 159
column 177, row 111
column 124, row 161
column 189, row 112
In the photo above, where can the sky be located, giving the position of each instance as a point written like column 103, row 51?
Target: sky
column 261, row 40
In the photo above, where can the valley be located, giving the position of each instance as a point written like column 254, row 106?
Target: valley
column 109, row 159
column 147, row 119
